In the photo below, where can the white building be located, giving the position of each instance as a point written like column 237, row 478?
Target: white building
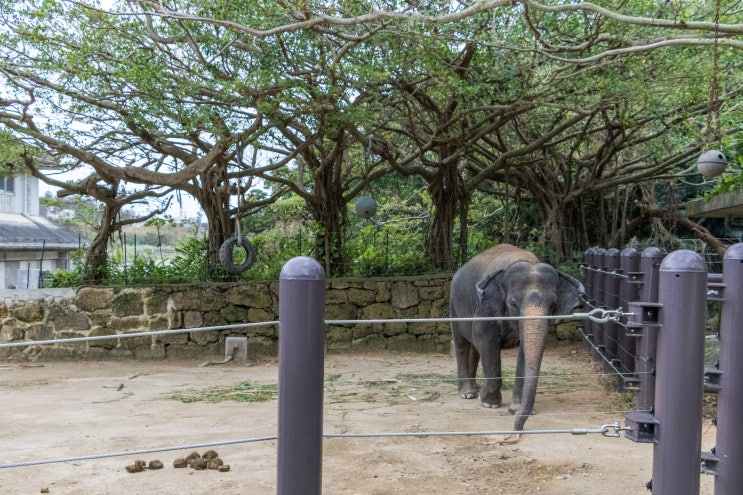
column 29, row 243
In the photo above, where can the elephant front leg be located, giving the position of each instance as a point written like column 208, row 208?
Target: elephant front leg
column 518, row 384
column 490, row 394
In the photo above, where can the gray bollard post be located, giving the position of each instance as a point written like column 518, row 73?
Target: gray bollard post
column 680, row 374
column 729, row 450
column 588, row 277
column 611, row 301
column 597, row 352
column 629, row 263
column 301, row 375
column 649, row 266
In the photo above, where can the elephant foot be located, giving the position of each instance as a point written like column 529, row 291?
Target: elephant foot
column 491, row 400
column 468, row 389
column 471, row 394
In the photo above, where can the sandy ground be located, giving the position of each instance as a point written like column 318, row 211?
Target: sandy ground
column 69, row 409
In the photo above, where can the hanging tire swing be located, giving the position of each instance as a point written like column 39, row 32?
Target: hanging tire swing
column 227, row 255
column 228, row 249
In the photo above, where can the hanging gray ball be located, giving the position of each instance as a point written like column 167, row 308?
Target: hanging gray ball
column 366, row 207
column 711, row 163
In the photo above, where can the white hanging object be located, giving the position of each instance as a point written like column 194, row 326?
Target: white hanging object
column 712, row 163
column 366, row 207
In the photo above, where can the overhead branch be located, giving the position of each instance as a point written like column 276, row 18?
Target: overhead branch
column 671, row 215
column 318, row 18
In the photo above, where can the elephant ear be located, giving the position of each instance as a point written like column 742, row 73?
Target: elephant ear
column 569, row 293
column 490, row 293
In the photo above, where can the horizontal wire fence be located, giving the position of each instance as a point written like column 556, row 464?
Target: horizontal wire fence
column 608, row 336
column 614, row 279
column 685, row 332
column 596, row 315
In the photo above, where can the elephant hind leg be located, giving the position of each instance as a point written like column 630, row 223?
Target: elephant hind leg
column 468, row 388
column 467, row 361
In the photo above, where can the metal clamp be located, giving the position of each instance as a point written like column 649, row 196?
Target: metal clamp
column 599, row 315
column 612, row 430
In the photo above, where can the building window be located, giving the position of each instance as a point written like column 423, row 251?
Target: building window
column 6, row 184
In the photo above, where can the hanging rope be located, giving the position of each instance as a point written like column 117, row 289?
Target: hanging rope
column 227, row 250
column 714, row 104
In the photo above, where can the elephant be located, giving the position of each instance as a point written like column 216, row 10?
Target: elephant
column 506, row 281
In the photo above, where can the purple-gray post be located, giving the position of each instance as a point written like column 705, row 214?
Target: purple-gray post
column 597, row 352
column 649, row 265
column 611, row 301
column 588, row 278
column 679, row 386
column 301, row 374
column 729, row 450
column 629, row 263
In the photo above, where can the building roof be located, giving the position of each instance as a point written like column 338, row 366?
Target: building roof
column 31, row 232
column 729, row 204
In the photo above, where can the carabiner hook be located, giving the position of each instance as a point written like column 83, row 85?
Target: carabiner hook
column 616, row 427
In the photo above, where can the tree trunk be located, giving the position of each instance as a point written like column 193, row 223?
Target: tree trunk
column 447, row 193
column 464, row 209
column 96, row 268
column 555, row 226
column 214, row 199
column 328, row 207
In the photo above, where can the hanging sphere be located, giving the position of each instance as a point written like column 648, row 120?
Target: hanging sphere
column 366, row 207
column 711, row 163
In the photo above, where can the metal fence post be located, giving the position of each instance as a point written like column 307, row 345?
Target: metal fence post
column 629, row 263
column 301, row 375
column 680, row 374
column 729, row 449
column 645, row 366
column 588, row 277
column 599, row 280
column 611, row 301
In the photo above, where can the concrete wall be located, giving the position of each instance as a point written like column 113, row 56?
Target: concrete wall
column 92, row 311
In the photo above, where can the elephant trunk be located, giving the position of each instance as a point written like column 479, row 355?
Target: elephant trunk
column 533, row 339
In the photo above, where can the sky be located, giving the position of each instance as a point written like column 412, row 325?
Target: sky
column 187, row 209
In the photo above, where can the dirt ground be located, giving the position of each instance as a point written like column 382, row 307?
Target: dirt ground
column 70, row 409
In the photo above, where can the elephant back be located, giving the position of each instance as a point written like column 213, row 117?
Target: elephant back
column 498, row 257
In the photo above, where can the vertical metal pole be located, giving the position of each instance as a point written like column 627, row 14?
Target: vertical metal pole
column 301, row 371
column 123, row 251
column 611, row 300
column 599, row 280
column 680, row 374
column 649, row 266
column 588, row 278
column 629, row 262
column 729, row 449
column 41, row 265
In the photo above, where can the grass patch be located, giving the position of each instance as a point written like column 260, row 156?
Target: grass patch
column 240, row 392
column 555, row 383
column 421, row 379
column 404, row 388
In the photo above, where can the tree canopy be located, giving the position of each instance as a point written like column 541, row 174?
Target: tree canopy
column 572, row 109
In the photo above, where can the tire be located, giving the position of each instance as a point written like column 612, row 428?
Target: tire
column 226, row 253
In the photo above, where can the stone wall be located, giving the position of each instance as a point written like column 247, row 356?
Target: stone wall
column 96, row 311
